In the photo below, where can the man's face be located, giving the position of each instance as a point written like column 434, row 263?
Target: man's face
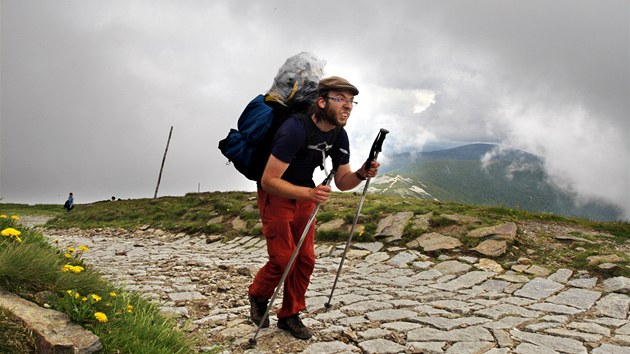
column 337, row 106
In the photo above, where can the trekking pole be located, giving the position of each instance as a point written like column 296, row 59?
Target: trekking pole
column 376, row 148
column 327, row 181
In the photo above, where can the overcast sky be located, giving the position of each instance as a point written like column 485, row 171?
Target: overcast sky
column 90, row 88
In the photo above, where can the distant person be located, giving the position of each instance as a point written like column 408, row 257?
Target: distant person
column 113, row 198
column 69, row 204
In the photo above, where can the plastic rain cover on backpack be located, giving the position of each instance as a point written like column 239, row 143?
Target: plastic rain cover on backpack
column 295, row 85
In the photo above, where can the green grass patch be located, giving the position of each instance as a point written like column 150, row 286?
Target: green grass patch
column 14, row 337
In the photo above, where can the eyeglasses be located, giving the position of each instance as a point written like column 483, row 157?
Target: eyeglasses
column 340, row 100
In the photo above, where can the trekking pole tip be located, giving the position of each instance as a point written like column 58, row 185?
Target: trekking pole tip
column 252, row 342
column 327, row 305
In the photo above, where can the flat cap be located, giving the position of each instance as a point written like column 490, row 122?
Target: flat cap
column 336, row 83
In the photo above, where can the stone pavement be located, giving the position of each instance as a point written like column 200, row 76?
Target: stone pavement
column 388, row 300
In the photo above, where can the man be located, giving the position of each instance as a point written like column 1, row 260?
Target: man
column 289, row 196
column 69, row 204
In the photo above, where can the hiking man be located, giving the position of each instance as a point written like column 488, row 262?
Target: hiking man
column 287, row 196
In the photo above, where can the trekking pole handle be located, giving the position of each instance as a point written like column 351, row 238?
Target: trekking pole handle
column 377, row 147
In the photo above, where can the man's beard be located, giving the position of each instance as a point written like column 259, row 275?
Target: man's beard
column 328, row 115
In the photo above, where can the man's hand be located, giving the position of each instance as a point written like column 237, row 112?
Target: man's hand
column 319, row 194
column 370, row 172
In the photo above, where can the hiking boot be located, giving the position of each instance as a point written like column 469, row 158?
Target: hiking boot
column 295, row 326
column 257, row 310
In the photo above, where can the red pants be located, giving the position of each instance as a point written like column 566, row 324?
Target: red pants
column 284, row 221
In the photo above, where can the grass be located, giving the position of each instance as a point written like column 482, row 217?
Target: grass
column 34, row 270
column 14, row 338
column 33, row 266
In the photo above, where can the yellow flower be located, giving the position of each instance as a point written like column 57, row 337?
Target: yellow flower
column 84, row 248
column 101, row 317
column 71, row 249
column 96, row 297
column 9, row 231
column 3, row 216
column 67, row 255
column 15, row 217
column 362, row 231
column 130, row 308
column 73, row 269
column 69, row 292
column 112, row 294
column 84, row 298
column 76, row 296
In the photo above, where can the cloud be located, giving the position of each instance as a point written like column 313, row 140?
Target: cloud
column 90, row 88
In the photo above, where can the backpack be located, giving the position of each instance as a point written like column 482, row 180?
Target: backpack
column 248, row 147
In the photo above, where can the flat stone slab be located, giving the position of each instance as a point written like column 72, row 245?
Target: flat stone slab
column 505, row 231
column 580, row 298
column 54, row 331
column 434, row 242
column 560, row 344
column 539, row 288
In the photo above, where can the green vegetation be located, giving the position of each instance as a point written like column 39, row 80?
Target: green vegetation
column 125, row 322
column 14, row 338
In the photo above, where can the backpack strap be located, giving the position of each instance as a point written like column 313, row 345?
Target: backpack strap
column 314, row 143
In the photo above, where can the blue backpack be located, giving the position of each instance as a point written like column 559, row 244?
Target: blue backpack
column 249, row 146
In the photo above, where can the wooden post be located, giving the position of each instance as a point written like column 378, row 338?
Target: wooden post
column 163, row 159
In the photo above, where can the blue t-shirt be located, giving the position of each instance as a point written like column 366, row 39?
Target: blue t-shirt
column 290, row 146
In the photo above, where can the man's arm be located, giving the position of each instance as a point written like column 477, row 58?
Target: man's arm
column 273, row 183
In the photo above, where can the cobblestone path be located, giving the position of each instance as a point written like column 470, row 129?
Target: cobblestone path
column 388, row 299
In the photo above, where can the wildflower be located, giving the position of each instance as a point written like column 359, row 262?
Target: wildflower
column 112, row 294
column 69, row 292
column 77, row 296
column 73, row 269
column 362, row 231
column 96, row 297
column 11, row 232
column 71, row 249
column 84, row 248
column 3, row 216
column 15, row 217
column 84, row 299
column 130, row 308
column 101, row 317
column 67, row 255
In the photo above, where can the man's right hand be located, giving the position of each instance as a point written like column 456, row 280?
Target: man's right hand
column 319, row 194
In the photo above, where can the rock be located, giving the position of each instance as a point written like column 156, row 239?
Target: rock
column 381, row 346
column 54, row 331
column 538, row 271
column 434, row 242
column 145, row 227
column 491, row 248
column 422, row 221
column 489, row 265
column 213, row 238
column 617, row 284
column 369, row 246
column 238, row 223
column 505, row 231
column 452, row 267
column 539, row 288
column 393, row 225
column 573, row 238
column 609, row 258
column 331, row 225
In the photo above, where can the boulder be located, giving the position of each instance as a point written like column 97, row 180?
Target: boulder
column 505, row 231
column 491, row 248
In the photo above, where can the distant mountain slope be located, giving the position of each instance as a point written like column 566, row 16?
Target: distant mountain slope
column 513, row 178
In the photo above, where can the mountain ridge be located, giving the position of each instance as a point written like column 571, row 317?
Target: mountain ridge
column 486, row 174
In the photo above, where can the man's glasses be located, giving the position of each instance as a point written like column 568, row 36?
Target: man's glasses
column 342, row 100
